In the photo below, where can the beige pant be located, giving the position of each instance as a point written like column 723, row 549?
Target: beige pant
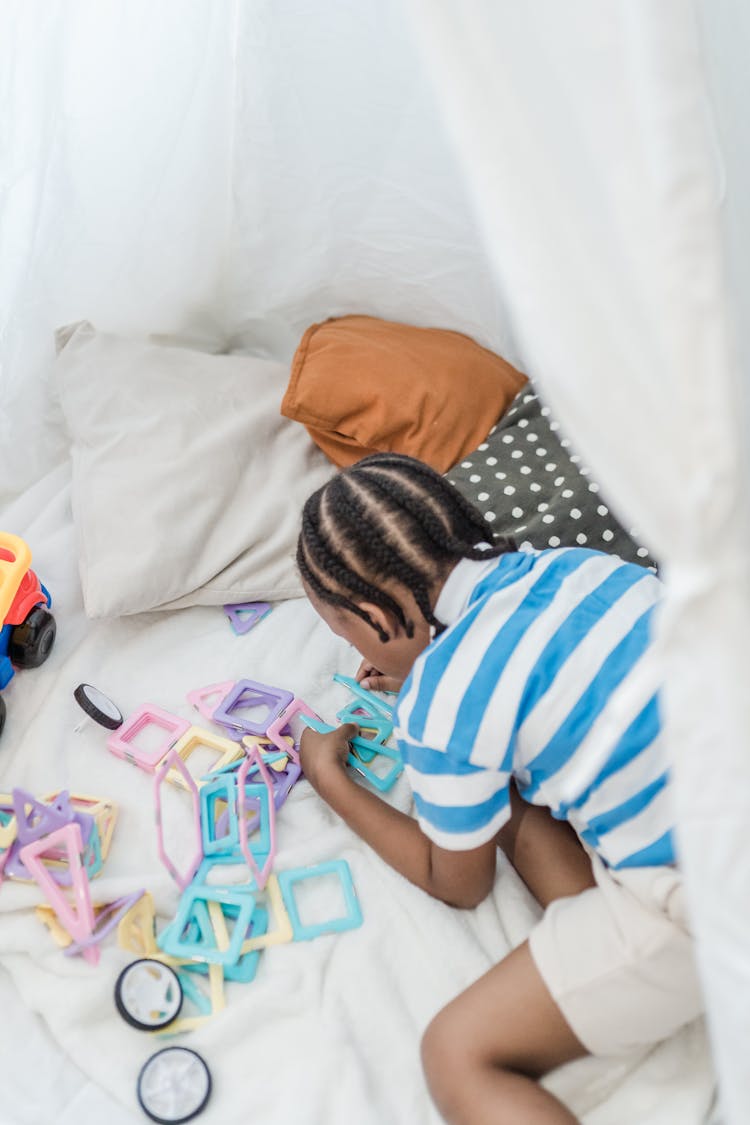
column 618, row 959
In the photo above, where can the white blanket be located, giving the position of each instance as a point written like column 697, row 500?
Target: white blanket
column 329, row 1030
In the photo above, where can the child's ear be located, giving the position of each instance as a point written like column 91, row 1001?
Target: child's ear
column 381, row 618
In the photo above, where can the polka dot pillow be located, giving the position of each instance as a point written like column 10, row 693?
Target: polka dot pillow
column 529, row 483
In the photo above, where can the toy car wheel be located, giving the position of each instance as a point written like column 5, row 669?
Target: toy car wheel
column 98, row 706
column 2, row 714
column 148, row 994
column 32, row 640
column 174, row 1085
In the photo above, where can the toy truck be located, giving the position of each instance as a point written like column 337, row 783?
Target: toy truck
column 27, row 628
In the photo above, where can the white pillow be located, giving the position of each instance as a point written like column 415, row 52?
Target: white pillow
column 188, row 483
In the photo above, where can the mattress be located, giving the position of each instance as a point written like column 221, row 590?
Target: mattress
column 329, row 1029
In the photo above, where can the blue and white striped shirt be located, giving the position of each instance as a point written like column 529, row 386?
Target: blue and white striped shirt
column 546, row 674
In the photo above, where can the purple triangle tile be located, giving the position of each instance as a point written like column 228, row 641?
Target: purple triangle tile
column 244, row 615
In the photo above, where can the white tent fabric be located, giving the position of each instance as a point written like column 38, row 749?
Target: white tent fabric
column 115, row 129
column 229, row 173
column 542, row 177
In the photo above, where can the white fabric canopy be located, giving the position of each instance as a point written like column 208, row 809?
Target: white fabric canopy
column 115, row 129
column 226, row 172
column 547, row 178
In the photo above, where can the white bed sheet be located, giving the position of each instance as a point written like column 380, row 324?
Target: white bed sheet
column 329, row 1030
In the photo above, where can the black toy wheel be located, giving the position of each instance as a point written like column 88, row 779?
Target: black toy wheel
column 174, row 1085
column 2, row 714
column 148, row 994
column 98, row 706
column 32, row 640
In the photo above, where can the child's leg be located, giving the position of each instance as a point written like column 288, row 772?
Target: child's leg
column 483, row 1053
column 617, row 954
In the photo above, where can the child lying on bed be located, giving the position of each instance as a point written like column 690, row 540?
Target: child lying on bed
column 528, row 718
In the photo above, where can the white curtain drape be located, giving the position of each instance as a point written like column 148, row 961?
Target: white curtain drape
column 586, row 138
column 229, row 171
column 115, row 132
column 347, row 195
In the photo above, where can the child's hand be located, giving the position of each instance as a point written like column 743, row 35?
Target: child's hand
column 319, row 754
column 374, row 680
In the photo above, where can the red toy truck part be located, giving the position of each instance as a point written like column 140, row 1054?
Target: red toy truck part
column 20, row 589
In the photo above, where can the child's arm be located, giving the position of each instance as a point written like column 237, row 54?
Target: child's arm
column 457, row 878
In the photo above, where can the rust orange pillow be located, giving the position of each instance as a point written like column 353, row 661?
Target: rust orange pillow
column 363, row 385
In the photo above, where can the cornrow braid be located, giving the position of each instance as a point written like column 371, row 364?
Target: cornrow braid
column 472, row 518
column 386, row 558
column 388, row 518
column 312, row 547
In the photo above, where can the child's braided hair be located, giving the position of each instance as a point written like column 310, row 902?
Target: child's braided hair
column 388, row 517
